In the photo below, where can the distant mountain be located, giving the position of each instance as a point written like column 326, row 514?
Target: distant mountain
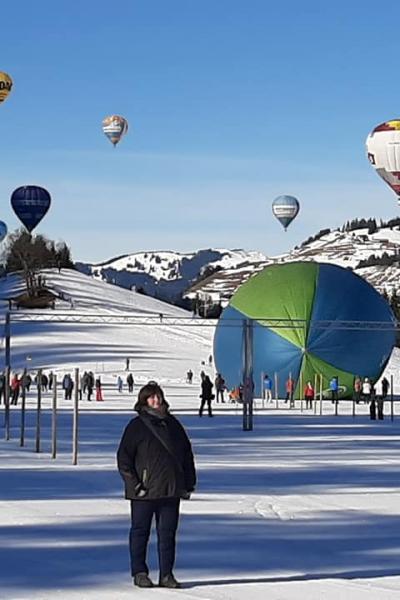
column 374, row 256
column 213, row 275
column 167, row 275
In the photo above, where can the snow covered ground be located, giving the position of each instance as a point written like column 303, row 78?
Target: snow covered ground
column 303, row 507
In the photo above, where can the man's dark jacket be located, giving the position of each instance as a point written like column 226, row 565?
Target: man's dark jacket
column 145, row 463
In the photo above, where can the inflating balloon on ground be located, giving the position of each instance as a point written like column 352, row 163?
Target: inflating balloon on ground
column 309, row 319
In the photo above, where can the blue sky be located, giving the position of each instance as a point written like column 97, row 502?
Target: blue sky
column 230, row 103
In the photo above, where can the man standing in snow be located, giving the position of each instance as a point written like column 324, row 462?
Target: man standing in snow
column 206, row 394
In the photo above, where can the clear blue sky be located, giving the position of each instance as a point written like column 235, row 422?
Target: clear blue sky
column 230, row 103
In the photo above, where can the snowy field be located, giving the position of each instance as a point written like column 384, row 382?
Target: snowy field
column 304, row 507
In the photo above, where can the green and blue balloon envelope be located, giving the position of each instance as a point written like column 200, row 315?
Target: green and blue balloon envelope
column 305, row 306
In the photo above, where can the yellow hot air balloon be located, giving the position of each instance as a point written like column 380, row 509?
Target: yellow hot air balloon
column 6, row 84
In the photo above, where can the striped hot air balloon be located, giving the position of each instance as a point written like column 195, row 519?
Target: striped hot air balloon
column 285, row 209
column 115, row 127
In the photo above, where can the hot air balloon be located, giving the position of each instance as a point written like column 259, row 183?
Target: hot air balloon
column 383, row 152
column 6, row 84
column 298, row 310
column 115, row 127
column 30, row 204
column 3, row 230
column 285, row 209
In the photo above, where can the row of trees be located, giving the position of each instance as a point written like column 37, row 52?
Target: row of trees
column 29, row 254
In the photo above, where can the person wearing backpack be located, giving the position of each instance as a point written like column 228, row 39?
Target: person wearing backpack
column 155, row 460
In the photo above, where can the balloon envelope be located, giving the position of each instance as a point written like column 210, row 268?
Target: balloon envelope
column 383, row 152
column 6, row 84
column 30, row 204
column 115, row 127
column 299, row 312
column 285, row 209
column 3, row 230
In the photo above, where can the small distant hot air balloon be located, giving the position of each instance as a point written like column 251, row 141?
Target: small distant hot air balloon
column 30, row 204
column 115, row 127
column 6, row 84
column 3, row 230
column 383, row 152
column 285, row 209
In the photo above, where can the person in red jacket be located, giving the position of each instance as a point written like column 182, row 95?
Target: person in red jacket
column 309, row 394
column 99, row 390
column 15, row 385
column 290, row 390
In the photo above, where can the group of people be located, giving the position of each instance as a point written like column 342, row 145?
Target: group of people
column 373, row 393
column 25, row 380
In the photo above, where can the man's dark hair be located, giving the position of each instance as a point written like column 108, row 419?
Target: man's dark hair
column 150, row 389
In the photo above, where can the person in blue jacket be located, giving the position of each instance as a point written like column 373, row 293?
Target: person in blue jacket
column 334, row 388
column 267, row 388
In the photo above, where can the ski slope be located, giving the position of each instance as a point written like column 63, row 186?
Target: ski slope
column 304, row 507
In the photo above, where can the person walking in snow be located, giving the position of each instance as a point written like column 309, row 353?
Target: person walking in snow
column 99, row 391
column 267, row 388
column 130, row 382
column 15, row 387
column 44, row 382
column 68, row 386
column 2, row 386
column 366, row 390
column 309, row 394
column 357, row 387
column 120, row 384
column 155, row 460
column 289, row 385
column 334, row 389
column 206, row 394
column 220, row 387
column 90, row 386
column 189, row 376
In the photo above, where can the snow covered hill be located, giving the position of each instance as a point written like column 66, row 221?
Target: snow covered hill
column 166, row 275
column 82, row 331
column 344, row 248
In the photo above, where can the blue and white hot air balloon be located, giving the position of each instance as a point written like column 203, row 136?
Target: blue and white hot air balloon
column 285, row 209
column 3, row 231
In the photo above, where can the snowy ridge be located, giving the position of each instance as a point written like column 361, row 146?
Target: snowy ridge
column 166, row 275
column 344, row 248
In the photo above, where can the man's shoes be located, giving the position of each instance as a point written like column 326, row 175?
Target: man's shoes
column 169, row 581
column 142, row 580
